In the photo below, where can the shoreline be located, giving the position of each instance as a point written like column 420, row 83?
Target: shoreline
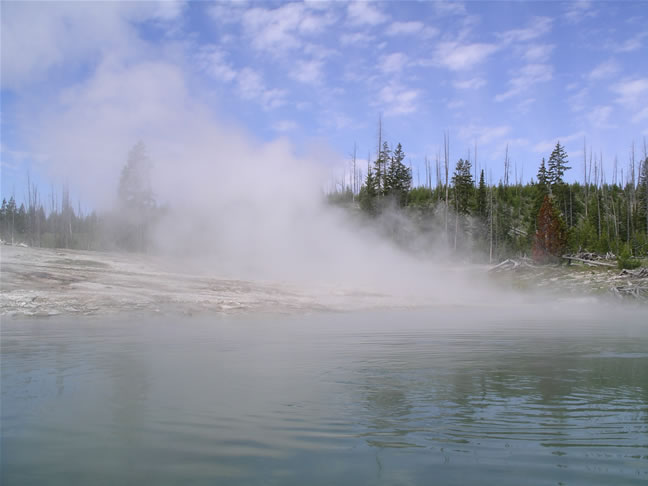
column 42, row 282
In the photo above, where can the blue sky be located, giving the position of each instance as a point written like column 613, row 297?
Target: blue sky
column 494, row 74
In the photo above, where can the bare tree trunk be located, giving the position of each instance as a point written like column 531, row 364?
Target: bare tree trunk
column 456, row 222
column 438, row 174
column 645, row 169
column 598, row 211
column 446, row 158
column 355, row 180
column 585, row 176
column 507, row 167
column 490, row 258
column 380, row 175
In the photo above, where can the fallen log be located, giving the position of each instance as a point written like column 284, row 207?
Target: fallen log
column 639, row 273
column 588, row 262
column 506, row 263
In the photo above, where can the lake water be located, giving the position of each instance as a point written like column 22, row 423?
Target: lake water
column 443, row 396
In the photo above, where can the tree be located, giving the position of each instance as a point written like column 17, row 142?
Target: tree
column 643, row 190
column 135, row 191
column 543, row 176
column 136, row 200
column 557, row 165
column 551, row 234
column 399, row 177
column 381, row 168
column 11, row 219
column 482, row 196
column 368, row 193
column 463, row 186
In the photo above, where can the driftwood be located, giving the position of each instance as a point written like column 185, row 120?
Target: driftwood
column 637, row 291
column 510, row 264
column 588, row 262
column 638, row 273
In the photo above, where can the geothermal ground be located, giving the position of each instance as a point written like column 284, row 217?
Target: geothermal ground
column 46, row 282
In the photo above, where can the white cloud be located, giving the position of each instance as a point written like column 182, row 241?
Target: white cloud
column 539, row 27
column 251, row 87
column 525, row 78
column 524, row 105
column 633, row 95
column 632, row 44
column 393, row 63
column 484, row 135
column 365, row 13
column 318, row 51
column 170, row 9
column 211, row 59
column 405, row 28
column 397, row 99
column 448, row 7
column 599, row 116
column 356, row 38
column 538, row 53
column 285, row 126
column 640, row 115
column 456, row 56
column 604, row 70
column 474, row 83
column 546, row 146
column 309, row 72
column 338, row 121
column 277, row 30
column 578, row 10
column 630, row 91
column 578, row 101
column 39, row 37
column 227, row 12
column 455, row 104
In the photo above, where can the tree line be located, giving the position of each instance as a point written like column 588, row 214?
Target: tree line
column 127, row 226
column 543, row 218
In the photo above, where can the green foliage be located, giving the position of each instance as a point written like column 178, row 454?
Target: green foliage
column 399, row 178
column 368, row 193
column 543, row 177
column 557, row 166
column 482, row 197
column 421, row 197
column 463, row 186
column 626, row 261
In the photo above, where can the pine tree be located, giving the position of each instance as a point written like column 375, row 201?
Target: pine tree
column 3, row 217
column 463, row 186
column 381, row 169
column 136, row 199
column 551, row 234
column 135, row 191
column 642, row 190
column 398, row 181
column 557, row 165
column 482, row 197
column 368, row 193
column 543, row 176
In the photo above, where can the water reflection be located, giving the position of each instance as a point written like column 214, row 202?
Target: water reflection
column 326, row 399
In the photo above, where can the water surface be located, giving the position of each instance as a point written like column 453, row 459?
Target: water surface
column 445, row 396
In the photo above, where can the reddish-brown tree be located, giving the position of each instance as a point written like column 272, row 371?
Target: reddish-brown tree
column 551, row 235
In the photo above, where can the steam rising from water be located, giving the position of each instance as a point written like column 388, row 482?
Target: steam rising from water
column 237, row 207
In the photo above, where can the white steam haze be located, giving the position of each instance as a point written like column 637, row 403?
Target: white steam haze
column 239, row 207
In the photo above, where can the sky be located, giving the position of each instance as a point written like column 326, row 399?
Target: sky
column 84, row 81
